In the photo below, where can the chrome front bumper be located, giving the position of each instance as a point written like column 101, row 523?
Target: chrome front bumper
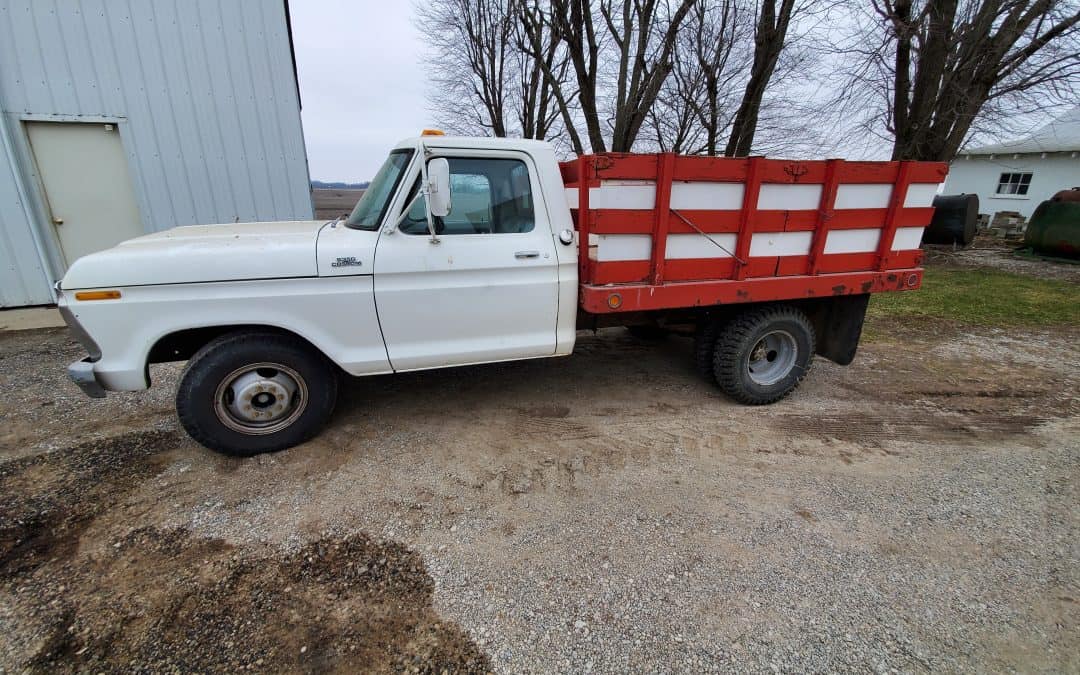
column 82, row 373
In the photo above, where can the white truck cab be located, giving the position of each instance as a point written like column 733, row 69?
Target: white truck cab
column 266, row 312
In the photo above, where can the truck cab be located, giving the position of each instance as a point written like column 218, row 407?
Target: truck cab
column 488, row 281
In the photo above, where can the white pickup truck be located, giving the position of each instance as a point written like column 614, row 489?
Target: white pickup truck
column 461, row 251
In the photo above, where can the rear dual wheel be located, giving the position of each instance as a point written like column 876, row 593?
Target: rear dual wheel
column 705, row 347
column 759, row 356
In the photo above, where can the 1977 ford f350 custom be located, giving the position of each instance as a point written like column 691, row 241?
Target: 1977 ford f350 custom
column 475, row 250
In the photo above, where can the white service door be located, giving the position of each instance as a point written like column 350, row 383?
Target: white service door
column 88, row 189
column 488, row 291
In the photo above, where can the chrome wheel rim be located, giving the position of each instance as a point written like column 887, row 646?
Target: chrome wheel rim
column 772, row 358
column 261, row 398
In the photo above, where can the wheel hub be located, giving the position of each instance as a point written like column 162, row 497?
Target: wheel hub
column 772, row 358
column 260, row 398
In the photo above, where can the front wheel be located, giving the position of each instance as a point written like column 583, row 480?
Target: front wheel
column 252, row 392
column 763, row 354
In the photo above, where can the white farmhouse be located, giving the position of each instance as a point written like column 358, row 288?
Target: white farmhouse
column 1018, row 175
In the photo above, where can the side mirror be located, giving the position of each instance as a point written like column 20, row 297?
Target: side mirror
column 438, row 197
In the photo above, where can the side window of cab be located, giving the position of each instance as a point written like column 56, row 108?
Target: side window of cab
column 489, row 196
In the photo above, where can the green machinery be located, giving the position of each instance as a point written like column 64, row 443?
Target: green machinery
column 1054, row 228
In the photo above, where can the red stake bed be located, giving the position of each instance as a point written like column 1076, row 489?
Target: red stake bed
column 665, row 231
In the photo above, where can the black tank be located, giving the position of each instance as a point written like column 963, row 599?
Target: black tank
column 954, row 220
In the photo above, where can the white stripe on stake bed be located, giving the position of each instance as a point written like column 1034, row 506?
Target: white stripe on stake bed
column 707, row 196
column 779, row 197
column 863, row 196
column 852, row 241
column 629, row 247
column 920, row 195
column 623, row 194
column 684, row 246
column 627, row 194
column 765, row 244
column 641, row 196
column 907, row 238
column 613, row 247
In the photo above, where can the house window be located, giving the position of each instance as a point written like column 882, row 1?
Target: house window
column 1014, row 184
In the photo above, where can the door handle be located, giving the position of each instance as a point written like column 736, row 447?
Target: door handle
column 527, row 254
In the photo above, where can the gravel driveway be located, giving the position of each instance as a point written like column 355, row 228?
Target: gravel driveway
column 609, row 511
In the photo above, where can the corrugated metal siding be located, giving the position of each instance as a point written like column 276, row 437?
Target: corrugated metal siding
column 22, row 279
column 206, row 90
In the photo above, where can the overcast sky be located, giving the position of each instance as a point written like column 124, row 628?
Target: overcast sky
column 363, row 88
column 361, row 84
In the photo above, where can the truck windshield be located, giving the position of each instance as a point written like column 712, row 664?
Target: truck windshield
column 368, row 212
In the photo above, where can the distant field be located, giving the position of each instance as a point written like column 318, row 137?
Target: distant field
column 332, row 203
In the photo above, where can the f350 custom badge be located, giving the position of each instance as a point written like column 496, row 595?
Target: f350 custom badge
column 350, row 261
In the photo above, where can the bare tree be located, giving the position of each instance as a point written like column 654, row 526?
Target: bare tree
column 591, row 74
column 943, row 68
column 697, row 104
column 718, row 29
column 483, row 83
column 718, row 75
column 769, row 38
column 673, row 120
column 543, row 65
column 537, row 30
column 640, row 37
column 572, row 22
column 538, row 109
column 468, row 62
column 643, row 65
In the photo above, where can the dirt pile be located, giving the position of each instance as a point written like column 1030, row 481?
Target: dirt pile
column 152, row 600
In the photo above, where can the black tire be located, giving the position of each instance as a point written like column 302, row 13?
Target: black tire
column 647, row 332
column 779, row 339
column 210, row 412
column 705, row 347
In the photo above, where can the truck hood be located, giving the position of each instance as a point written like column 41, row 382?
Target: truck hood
column 203, row 253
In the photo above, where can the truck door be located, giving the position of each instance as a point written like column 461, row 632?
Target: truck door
column 488, row 290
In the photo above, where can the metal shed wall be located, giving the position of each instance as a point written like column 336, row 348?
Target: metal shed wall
column 23, row 280
column 205, row 99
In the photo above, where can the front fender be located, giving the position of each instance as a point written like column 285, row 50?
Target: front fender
column 336, row 315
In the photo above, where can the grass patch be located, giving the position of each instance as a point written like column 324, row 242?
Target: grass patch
column 982, row 298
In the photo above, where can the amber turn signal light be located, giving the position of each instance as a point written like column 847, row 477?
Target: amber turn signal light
column 97, row 295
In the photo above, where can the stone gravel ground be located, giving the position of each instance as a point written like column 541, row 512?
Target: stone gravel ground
column 915, row 511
